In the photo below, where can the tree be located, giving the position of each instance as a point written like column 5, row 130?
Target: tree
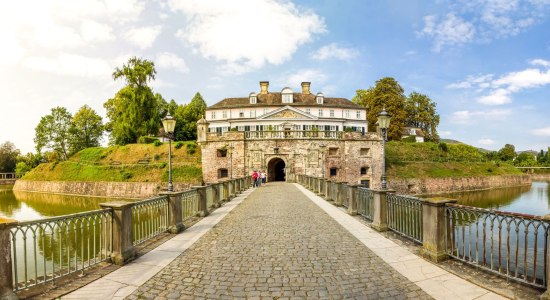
column 507, row 153
column 86, row 129
column 525, row 159
column 53, row 132
column 187, row 117
column 8, row 157
column 134, row 110
column 421, row 113
column 388, row 94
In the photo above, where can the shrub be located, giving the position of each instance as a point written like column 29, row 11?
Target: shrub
column 191, row 148
column 409, row 139
column 443, row 147
column 126, row 175
column 156, row 156
column 147, row 140
column 179, row 145
column 162, row 165
column 157, row 143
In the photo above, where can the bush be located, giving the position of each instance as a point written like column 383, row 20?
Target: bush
column 162, row 165
column 22, row 168
column 443, row 147
column 147, row 140
column 157, row 143
column 179, row 145
column 191, row 148
column 126, row 175
column 409, row 139
column 156, row 156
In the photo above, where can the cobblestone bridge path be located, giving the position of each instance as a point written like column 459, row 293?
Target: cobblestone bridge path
column 278, row 244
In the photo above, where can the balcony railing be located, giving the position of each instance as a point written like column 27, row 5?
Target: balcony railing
column 293, row 134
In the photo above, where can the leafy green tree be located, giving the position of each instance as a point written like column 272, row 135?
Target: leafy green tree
column 389, row 94
column 525, row 159
column 53, row 132
column 134, row 110
column 86, row 129
column 187, row 117
column 22, row 168
column 507, row 153
column 31, row 159
column 8, row 157
column 421, row 113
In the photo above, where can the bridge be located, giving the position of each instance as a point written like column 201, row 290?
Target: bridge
column 282, row 240
column 8, row 178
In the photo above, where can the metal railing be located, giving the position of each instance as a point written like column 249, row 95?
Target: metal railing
column 365, row 203
column 149, row 218
column 404, row 216
column 293, row 134
column 189, row 204
column 510, row 244
column 47, row 249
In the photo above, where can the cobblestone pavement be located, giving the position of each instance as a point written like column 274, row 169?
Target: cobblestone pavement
column 278, row 245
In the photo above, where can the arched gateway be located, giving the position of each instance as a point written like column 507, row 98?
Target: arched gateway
column 276, row 170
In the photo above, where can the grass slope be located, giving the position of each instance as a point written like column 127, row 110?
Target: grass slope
column 130, row 163
column 421, row 160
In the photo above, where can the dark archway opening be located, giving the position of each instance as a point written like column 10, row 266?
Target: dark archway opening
column 276, row 170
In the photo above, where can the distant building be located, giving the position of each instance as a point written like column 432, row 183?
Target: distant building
column 288, row 133
column 417, row 133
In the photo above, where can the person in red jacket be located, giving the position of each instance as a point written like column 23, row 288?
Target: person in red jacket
column 255, row 177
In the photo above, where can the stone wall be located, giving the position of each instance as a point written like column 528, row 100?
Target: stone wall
column 301, row 156
column 445, row 185
column 100, row 189
column 543, row 177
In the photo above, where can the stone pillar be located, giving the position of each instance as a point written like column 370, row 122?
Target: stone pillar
column 433, row 223
column 6, row 279
column 225, row 193
column 175, row 224
column 339, row 194
column 216, row 195
column 238, row 186
column 201, row 192
column 328, row 187
column 231, row 188
column 353, row 197
column 379, row 215
column 322, row 189
column 123, row 248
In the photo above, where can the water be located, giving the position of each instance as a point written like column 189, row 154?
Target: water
column 533, row 200
column 26, row 206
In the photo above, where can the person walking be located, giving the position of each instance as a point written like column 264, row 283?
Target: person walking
column 255, row 177
column 263, row 176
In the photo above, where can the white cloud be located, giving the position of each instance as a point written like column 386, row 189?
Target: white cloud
column 480, row 82
column 246, row 34
column 465, row 116
column 334, row 51
column 143, row 37
column 71, row 65
column 496, row 97
column 93, row 31
column 540, row 62
column 486, row 142
column 451, row 30
column 444, row 133
column 529, row 78
column 541, row 131
column 296, row 77
column 168, row 60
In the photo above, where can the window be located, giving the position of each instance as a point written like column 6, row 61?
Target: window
column 358, row 114
column 224, row 114
column 320, row 97
column 333, row 171
column 253, row 113
column 240, row 128
column 365, row 151
column 223, row 173
column 332, row 151
column 253, row 98
column 265, row 111
column 308, row 111
column 365, row 183
column 364, row 170
column 332, row 113
column 241, row 113
column 222, row 152
column 287, row 98
column 320, row 113
column 346, row 114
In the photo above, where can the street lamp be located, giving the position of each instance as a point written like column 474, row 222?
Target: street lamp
column 323, row 148
column 169, row 124
column 384, row 123
column 230, row 150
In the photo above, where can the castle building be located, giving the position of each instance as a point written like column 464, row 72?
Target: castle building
column 287, row 133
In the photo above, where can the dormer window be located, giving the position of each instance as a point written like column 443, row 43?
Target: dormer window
column 320, row 98
column 287, row 95
column 253, row 98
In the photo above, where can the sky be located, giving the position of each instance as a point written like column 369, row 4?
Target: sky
column 485, row 63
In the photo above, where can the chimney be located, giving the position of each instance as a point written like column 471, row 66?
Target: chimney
column 305, row 88
column 263, row 87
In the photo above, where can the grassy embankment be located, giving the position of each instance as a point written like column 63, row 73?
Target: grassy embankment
column 422, row 160
column 130, row 163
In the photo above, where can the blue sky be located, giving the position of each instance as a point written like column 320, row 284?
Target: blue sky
column 485, row 63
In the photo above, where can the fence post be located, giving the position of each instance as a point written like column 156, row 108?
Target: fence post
column 6, row 279
column 328, row 191
column 379, row 214
column 546, row 294
column 216, row 194
column 175, row 224
column 433, row 233
column 322, row 189
column 353, row 197
column 123, row 248
column 201, row 193
column 225, row 191
column 339, row 194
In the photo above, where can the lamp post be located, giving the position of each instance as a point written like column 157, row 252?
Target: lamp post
column 384, row 123
column 169, row 124
column 323, row 148
column 230, row 150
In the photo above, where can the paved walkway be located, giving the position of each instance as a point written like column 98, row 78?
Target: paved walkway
column 280, row 243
